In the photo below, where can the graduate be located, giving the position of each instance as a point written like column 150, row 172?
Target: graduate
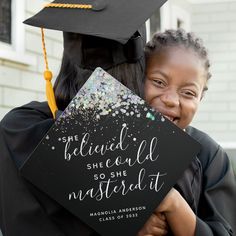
column 109, row 34
column 202, row 203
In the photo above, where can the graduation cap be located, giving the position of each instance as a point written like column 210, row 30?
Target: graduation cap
column 114, row 20
column 111, row 19
column 110, row 159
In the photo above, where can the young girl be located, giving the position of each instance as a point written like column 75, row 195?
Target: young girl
column 202, row 202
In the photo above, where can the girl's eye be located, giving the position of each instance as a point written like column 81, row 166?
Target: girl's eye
column 189, row 93
column 159, row 82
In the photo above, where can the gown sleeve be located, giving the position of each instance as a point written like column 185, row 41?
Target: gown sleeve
column 217, row 208
column 24, row 210
column 20, row 213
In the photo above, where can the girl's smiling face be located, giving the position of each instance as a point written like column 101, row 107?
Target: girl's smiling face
column 175, row 82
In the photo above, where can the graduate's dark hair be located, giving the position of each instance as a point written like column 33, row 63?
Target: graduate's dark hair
column 72, row 77
column 179, row 37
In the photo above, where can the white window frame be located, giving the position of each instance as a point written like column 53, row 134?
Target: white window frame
column 15, row 51
column 148, row 37
column 164, row 15
column 181, row 14
column 171, row 13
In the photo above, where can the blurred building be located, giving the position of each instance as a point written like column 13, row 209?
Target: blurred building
column 21, row 59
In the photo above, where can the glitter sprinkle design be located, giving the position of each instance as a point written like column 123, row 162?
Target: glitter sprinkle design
column 163, row 118
column 102, row 98
column 150, row 116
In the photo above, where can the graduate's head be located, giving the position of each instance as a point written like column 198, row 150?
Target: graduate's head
column 177, row 72
column 83, row 53
column 96, row 33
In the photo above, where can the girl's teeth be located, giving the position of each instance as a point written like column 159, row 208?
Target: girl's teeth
column 169, row 118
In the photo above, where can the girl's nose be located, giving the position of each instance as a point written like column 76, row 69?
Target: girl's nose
column 170, row 98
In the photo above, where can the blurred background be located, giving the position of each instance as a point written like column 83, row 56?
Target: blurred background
column 21, row 59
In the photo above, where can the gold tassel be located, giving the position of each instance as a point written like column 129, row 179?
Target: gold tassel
column 48, row 77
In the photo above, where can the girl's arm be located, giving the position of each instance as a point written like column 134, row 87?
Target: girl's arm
column 180, row 217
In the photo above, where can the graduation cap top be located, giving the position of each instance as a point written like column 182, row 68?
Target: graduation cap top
column 112, row 19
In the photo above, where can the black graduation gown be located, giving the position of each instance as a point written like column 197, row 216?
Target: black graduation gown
column 208, row 185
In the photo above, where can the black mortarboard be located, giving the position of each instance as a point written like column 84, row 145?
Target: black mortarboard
column 113, row 28
column 109, row 158
column 112, row 19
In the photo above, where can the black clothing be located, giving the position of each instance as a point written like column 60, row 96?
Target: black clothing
column 208, row 185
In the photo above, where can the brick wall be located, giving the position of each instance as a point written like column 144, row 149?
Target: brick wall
column 216, row 24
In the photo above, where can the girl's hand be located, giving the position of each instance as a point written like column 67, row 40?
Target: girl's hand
column 156, row 225
column 177, row 211
column 170, row 203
